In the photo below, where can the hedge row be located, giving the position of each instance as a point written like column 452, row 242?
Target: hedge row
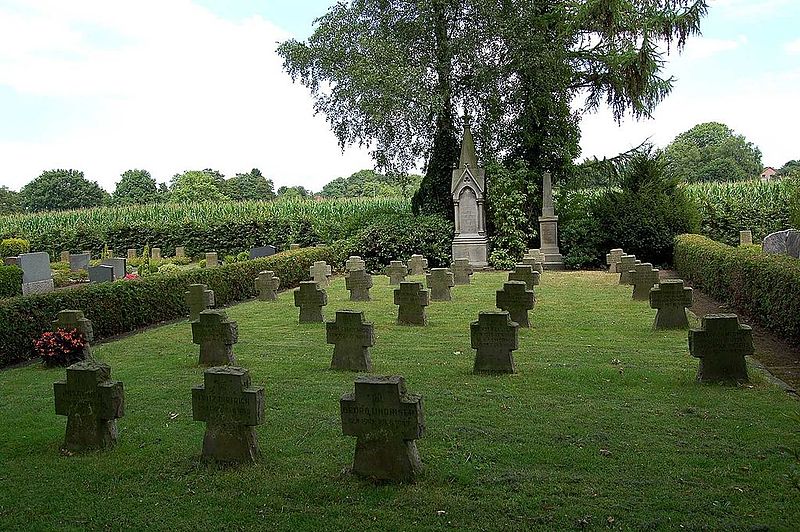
column 10, row 281
column 765, row 287
column 124, row 306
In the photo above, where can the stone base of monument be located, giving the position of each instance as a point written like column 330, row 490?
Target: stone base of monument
column 230, row 443
column 553, row 261
column 472, row 247
column 392, row 460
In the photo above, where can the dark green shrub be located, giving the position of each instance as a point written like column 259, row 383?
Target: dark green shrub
column 580, row 233
column 12, row 247
column 510, row 226
column 10, row 281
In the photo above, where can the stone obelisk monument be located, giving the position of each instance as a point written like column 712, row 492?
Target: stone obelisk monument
column 548, row 228
column 469, row 187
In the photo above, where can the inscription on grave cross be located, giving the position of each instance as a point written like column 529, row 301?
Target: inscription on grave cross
column 411, row 299
column 198, row 299
column 231, row 408
column 310, row 298
column 613, row 258
column 494, row 336
column 671, row 298
column 517, row 300
column 92, row 403
column 627, row 263
column 320, row 273
column 440, row 280
column 74, row 319
column 387, row 420
column 215, row 334
column 721, row 343
column 462, row 271
column 358, row 282
column 643, row 277
column 267, row 286
column 524, row 272
column 352, row 337
column 417, row 264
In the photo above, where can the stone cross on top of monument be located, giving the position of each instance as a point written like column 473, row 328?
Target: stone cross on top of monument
column 468, row 187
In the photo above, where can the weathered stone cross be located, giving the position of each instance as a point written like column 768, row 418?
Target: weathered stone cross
column 671, row 299
column 198, row 299
column 215, row 334
column 412, row 300
column 231, row 408
column 627, row 263
column 267, row 285
column 397, row 272
column 494, row 336
column 526, row 273
column 613, row 258
column 310, row 298
column 517, row 300
column 386, row 420
column 721, row 343
column 533, row 262
column 440, row 280
column 643, row 278
column 462, row 270
column 320, row 272
column 354, row 262
column 417, row 264
column 74, row 319
column 352, row 337
column 92, row 402
column 359, row 282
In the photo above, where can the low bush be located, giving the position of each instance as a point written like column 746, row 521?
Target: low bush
column 12, row 247
column 761, row 285
column 10, row 281
column 123, row 306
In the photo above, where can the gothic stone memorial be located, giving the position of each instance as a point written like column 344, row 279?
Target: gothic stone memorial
column 411, row 299
column 92, row 403
column 215, row 334
column 397, row 272
column 231, row 408
column 627, row 263
column 36, row 275
column 643, row 278
column 267, row 286
column 386, row 420
column 526, row 273
column 198, row 299
column 494, row 336
column 320, row 273
column 358, row 282
column 671, row 298
column 517, row 300
column 721, row 343
column 440, row 280
column 74, row 319
column 417, row 264
column 462, row 271
column 468, row 188
column 310, row 298
column 354, row 262
column 613, row 258
column 351, row 337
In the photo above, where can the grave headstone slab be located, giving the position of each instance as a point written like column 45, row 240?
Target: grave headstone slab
column 131, row 253
column 120, row 266
column 358, row 282
column 494, row 336
column 517, row 300
column 523, row 272
column 793, row 243
column 267, row 286
column 397, row 272
column 79, row 261
column 74, row 319
column 37, row 278
column 320, row 273
column 643, row 278
column 417, row 264
column 462, row 271
column 155, row 253
column 440, row 280
column 354, row 262
column 671, row 298
column 310, row 298
column 102, row 273
column 386, row 420
column 351, row 337
column 180, row 251
column 294, row 246
column 198, row 299
column 212, row 260
column 264, row 251
column 231, row 408
column 627, row 263
column 215, row 334
column 745, row 238
column 411, row 299
column 92, row 403
column 65, row 256
column 721, row 343
column 11, row 261
column 613, row 259
column 782, row 243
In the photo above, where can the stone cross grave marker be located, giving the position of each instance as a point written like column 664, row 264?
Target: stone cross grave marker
column 523, row 272
column 417, row 264
column 536, row 254
column 120, row 266
column 102, row 273
column 74, row 319
column 517, row 300
column 37, row 278
column 440, row 280
column 212, row 260
column 533, row 263
column 627, row 263
column 215, row 334
column 79, row 261
column 397, row 272
column 231, row 408
column 613, row 258
column 131, row 253
column 64, row 256
column 155, row 253
column 721, row 343
column 320, row 272
column 198, row 299
column 267, row 286
column 310, row 298
column 92, row 403
column 358, row 282
column 462, row 271
column 386, row 420
column 671, row 299
column 494, row 336
column 180, row 251
column 261, row 252
column 351, row 337
column 354, row 262
column 643, row 278
column 411, row 299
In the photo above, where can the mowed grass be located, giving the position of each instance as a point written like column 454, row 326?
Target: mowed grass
column 603, row 426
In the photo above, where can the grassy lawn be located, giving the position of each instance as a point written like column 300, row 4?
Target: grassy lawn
column 603, row 426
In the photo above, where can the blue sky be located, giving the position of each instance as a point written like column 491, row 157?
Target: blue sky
column 170, row 85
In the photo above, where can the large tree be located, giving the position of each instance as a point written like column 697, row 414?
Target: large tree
column 136, row 187
column 398, row 75
column 195, row 186
column 250, row 186
column 61, row 190
column 9, row 201
column 712, row 152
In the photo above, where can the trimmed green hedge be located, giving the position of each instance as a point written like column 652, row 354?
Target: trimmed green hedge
column 766, row 287
column 124, row 306
column 10, row 281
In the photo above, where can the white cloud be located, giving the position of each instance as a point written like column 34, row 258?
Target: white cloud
column 705, row 47
column 171, row 86
column 793, row 47
column 748, row 9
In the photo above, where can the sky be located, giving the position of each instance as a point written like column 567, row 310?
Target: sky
column 175, row 85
